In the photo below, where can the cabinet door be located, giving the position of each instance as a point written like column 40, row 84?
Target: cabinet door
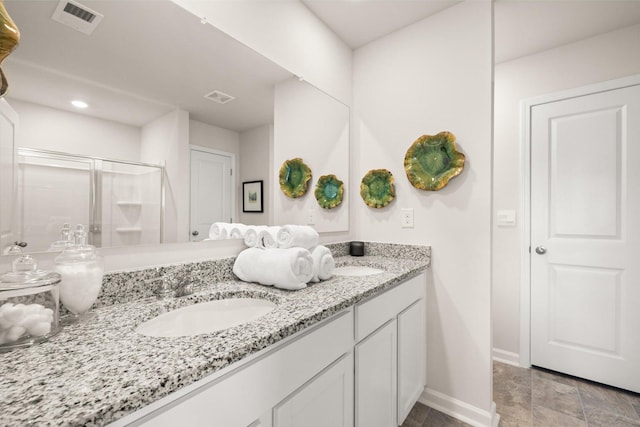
column 325, row 400
column 376, row 378
column 411, row 357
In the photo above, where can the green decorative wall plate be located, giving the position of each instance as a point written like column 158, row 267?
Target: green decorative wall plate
column 432, row 160
column 9, row 39
column 329, row 191
column 294, row 177
column 377, row 189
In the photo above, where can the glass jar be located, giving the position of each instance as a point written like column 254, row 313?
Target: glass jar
column 29, row 304
column 82, row 270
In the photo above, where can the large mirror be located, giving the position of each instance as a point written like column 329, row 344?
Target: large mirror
column 178, row 115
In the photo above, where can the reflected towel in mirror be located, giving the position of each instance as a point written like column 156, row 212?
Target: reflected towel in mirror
column 268, row 238
column 298, row 235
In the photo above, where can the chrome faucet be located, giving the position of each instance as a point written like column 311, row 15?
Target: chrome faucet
column 174, row 284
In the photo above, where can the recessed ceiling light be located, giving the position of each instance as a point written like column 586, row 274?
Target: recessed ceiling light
column 79, row 104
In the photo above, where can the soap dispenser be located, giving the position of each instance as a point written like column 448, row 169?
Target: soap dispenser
column 82, row 270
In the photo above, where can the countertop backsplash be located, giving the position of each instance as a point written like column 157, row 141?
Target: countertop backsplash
column 122, row 287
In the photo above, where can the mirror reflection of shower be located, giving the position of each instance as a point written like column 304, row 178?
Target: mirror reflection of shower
column 119, row 202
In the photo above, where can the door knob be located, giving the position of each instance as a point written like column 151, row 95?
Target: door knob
column 541, row 250
column 195, row 232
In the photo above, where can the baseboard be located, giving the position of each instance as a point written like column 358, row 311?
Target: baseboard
column 460, row 410
column 506, row 357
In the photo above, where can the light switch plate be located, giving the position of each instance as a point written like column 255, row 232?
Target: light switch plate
column 506, row 218
column 407, row 217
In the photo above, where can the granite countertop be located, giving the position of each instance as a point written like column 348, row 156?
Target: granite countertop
column 99, row 370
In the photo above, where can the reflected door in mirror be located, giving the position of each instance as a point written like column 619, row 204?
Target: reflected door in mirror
column 212, row 192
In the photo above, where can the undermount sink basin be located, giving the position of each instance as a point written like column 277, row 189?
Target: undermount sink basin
column 356, row 270
column 205, row 317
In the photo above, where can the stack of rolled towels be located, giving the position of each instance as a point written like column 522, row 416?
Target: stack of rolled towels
column 286, row 257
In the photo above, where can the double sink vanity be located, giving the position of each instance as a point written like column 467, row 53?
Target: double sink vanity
column 347, row 351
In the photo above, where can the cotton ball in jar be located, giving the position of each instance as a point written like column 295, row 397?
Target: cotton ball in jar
column 80, row 286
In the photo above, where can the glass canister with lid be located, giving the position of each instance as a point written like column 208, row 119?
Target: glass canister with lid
column 29, row 304
column 82, row 270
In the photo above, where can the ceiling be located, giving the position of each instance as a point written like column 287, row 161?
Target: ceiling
column 521, row 27
column 133, row 76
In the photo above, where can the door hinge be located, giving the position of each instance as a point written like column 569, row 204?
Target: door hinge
column 231, row 172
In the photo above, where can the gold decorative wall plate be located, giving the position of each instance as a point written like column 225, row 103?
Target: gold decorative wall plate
column 329, row 191
column 9, row 39
column 377, row 189
column 432, row 160
column 294, row 177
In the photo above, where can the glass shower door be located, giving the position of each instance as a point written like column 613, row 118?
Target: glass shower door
column 53, row 189
column 131, row 203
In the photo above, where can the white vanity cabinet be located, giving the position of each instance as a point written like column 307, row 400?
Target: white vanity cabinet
column 365, row 366
column 390, row 354
column 316, row 363
column 326, row 400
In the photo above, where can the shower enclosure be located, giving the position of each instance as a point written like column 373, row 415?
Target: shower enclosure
column 120, row 202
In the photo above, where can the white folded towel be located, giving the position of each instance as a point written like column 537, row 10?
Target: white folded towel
column 297, row 235
column 237, row 231
column 283, row 268
column 251, row 235
column 219, row 230
column 268, row 238
column 323, row 263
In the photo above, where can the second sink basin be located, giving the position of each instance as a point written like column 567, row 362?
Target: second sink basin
column 205, row 317
column 356, row 270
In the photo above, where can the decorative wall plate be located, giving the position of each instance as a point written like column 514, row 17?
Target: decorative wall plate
column 377, row 189
column 294, row 177
column 432, row 160
column 9, row 39
column 329, row 191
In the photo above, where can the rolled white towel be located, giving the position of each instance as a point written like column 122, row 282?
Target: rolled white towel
column 251, row 235
column 297, row 235
column 283, row 268
column 323, row 263
column 237, row 231
column 219, row 230
column 268, row 238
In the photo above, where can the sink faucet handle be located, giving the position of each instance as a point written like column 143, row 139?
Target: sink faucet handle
column 162, row 288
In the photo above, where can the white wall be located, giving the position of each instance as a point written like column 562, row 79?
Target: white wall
column 256, row 163
column 166, row 141
column 315, row 127
column 605, row 57
column 287, row 33
column 429, row 77
column 48, row 128
column 214, row 137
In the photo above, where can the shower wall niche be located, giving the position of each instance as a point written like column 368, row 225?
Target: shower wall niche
column 120, row 202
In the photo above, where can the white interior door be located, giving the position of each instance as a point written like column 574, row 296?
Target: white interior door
column 585, row 236
column 211, row 191
column 8, row 176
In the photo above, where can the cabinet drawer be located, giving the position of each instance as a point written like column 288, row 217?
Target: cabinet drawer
column 372, row 314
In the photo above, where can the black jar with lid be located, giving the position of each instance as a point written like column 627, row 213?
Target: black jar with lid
column 356, row 248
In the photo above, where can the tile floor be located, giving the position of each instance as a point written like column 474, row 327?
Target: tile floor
column 540, row 398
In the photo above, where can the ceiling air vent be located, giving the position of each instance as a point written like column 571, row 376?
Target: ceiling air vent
column 77, row 16
column 219, row 97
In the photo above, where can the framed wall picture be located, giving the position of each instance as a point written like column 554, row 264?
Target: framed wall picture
column 252, row 196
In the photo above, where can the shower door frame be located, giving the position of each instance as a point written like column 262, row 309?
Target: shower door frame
column 95, row 188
